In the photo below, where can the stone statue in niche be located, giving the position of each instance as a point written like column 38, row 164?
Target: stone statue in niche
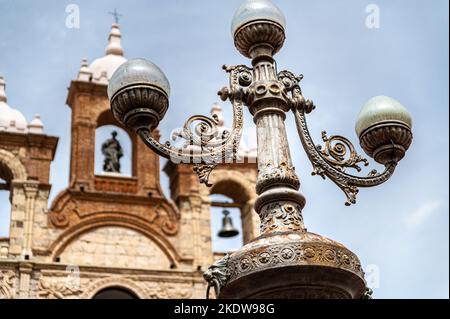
column 113, row 152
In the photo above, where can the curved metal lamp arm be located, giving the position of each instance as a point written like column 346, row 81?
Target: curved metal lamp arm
column 205, row 146
column 337, row 155
column 326, row 167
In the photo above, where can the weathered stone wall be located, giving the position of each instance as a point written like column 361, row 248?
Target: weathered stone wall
column 115, row 247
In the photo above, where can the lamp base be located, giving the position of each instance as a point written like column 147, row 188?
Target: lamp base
column 294, row 265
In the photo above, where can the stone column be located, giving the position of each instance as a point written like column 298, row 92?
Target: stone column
column 31, row 191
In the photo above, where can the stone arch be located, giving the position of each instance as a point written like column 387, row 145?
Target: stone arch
column 11, row 171
column 237, row 186
column 114, row 282
column 232, row 184
column 10, row 162
column 114, row 220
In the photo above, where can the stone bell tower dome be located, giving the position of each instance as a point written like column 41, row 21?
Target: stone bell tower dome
column 11, row 120
column 103, row 68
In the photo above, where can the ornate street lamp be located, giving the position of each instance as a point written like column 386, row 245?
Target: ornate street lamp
column 286, row 260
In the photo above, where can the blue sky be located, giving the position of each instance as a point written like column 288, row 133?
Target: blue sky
column 402, row 227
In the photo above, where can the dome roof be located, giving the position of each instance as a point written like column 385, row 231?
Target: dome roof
column 11, row 120
column 103, row 68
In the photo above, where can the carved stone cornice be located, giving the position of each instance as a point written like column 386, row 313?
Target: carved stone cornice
column 89, row 88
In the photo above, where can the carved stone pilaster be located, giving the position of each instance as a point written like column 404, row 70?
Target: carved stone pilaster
column 31, row 191
column 25, row 271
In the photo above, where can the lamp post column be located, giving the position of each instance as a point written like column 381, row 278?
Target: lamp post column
column 279, row 204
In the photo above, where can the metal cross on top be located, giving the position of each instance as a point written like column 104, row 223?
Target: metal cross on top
column 116, row 15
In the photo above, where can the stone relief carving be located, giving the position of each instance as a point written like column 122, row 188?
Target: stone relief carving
column 169, row 291
column 57, row 290
column 160, row 215
column 7, row 284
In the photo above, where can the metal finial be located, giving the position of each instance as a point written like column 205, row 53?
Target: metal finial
column 116, row 15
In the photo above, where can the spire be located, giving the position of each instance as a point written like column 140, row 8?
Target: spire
column 85, row 73
column 114, row 47
column 2, row 90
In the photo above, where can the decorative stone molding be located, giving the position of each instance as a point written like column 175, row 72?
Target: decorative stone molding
column 68, row 210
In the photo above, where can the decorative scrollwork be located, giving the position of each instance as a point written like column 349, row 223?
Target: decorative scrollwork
column 292, row 84
column 208, row 149
column 326, row 167
column 341, row 153
column 198, row 130
column 203, row 171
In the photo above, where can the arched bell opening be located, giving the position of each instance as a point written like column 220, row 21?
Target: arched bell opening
column 6, row 177
column 115, row 293
column 226, row 224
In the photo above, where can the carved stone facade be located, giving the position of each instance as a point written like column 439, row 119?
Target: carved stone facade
column 109, row 231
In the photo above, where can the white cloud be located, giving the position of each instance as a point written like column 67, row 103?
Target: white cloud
column 422, row 213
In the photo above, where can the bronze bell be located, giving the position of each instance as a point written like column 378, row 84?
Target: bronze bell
column 228, row 229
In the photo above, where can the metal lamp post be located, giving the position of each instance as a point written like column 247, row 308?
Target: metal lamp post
column 286, row 261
